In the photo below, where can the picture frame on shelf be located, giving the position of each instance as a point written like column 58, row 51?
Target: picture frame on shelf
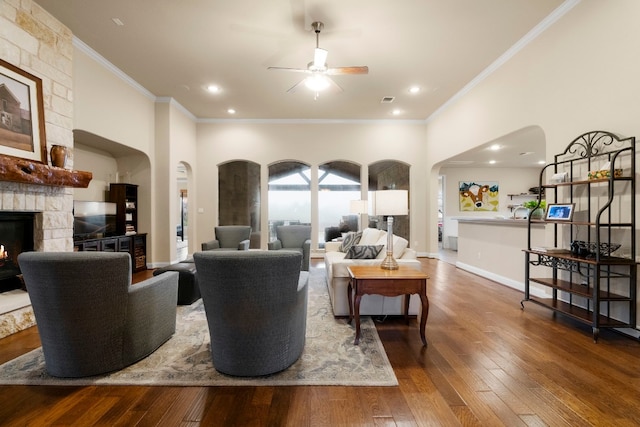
column 560, row 212
column 22, row 129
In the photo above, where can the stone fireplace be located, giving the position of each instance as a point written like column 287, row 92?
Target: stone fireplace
column 16, row 236
column 50, row 218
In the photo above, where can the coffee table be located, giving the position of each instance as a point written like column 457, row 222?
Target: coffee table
column 372, row 279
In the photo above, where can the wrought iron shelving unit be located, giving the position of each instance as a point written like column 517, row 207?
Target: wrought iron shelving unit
column 595, row 286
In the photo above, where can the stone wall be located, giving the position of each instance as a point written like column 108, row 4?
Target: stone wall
column 34, row 41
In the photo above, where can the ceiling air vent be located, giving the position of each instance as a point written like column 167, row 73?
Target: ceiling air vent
column 387, row 99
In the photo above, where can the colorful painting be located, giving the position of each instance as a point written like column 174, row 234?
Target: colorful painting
column 478, row 196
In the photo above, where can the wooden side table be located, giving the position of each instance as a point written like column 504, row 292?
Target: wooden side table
column 367, row 279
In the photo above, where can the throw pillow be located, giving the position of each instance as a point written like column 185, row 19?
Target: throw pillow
column 349, row 240
column 363, row 252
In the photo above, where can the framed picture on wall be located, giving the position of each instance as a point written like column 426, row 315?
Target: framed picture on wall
column 21, row 114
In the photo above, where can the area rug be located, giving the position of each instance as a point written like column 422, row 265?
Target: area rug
column 329, row 356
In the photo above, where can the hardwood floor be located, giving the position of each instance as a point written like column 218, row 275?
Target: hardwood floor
column 488, row 363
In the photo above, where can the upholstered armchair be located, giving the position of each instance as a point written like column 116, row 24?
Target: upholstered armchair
column 90, row 319
column 256, row 307
column 294, row 238
column 229, row 237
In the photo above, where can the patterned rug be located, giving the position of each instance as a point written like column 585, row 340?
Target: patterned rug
column 329, row 356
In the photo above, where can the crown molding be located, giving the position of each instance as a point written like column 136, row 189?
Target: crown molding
column 551, row 19
column 312, row 121
column 85, row 48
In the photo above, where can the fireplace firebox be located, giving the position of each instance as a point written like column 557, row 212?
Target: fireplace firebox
column 16, row 236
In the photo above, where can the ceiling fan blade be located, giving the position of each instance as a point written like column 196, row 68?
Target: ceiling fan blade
column 295, row 70
column 334, row 87
column 348, row 70
column 297, row 86
column 320, row 58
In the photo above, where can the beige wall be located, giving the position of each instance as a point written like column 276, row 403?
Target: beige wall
column 579, row 75
column 314, row 144
column 108, row 106
column 510, row 181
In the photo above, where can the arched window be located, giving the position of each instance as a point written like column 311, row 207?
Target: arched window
column 289, row 195
column 338, row 184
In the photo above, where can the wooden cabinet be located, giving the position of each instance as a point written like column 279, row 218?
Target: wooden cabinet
column 125, row 196
column 586, row 268
column 135, row 245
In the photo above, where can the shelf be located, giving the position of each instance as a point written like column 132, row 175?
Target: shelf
column 546, row 258
column 586, row 181
column 578, row 289
column 25, row 171
column 578, row 313
column 591, row 277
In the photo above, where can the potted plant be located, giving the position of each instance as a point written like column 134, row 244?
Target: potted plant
column 535, row 211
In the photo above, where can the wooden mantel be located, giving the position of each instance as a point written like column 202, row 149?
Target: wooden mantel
column 25, row 171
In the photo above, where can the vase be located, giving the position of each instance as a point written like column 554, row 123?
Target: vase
column 58, row 156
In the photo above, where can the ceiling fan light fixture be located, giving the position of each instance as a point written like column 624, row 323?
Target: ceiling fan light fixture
column 316, row 82
column 320, row 59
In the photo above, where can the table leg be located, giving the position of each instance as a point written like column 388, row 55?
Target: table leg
column 423, row 318
column 407, row 298
column 356, row 309
column 350, row 300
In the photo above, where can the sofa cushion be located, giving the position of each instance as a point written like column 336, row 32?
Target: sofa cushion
column 349, row 240
column 363, row 251
column 399, row 246
column 371, row 235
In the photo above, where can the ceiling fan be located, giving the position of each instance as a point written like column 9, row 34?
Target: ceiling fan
column 318, row 70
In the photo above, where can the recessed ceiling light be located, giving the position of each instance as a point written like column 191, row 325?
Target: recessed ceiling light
column 231, row 111
column 541, row 162
column 526, row 153
column 213, row 88
column 118, row 22
column 495, row 147
column 396, row 112
column 492, row 162
column 414, row 89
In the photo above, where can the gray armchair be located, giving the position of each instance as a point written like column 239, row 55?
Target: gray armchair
column 90, row 319
column 294, row 238
column 256, row 307
column 229, row 237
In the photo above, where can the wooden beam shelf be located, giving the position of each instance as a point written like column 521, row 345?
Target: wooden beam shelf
column 25, row 171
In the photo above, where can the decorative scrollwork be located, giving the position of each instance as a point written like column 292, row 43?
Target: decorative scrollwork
column 589, row 145
column 562, row 264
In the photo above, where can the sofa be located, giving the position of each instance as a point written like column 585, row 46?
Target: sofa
column 367, row 241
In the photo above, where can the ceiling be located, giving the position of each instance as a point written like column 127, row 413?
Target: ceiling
column 524, row 148
column 176, row 48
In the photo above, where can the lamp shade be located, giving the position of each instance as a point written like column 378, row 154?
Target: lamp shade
column 358, row 207
column 391, row 202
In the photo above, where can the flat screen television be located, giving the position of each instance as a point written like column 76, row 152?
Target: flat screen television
column 93, row 220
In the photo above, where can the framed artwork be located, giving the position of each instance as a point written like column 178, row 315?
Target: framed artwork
column 478, row 196
column 21, row 114
column 560, row 212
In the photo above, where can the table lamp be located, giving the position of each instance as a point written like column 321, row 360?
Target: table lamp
column 389, row 203
column 359, row 207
